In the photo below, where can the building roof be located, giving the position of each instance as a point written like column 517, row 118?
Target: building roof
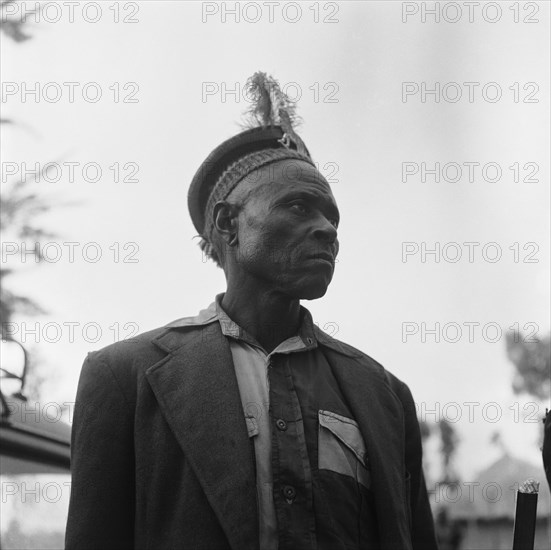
column 491, row 495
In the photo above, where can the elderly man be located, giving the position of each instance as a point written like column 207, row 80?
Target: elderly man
column 246, row 426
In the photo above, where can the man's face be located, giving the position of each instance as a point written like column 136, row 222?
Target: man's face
column 287, row 229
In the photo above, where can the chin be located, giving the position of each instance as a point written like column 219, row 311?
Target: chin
column 305, row 286
column 313, row 290
column 313, row 295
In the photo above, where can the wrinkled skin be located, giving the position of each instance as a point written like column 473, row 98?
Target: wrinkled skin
column 279, row 228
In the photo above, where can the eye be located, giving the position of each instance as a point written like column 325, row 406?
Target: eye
column 300, row 207
column 334, row 223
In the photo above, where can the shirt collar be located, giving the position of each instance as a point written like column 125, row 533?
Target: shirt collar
column 304, row 340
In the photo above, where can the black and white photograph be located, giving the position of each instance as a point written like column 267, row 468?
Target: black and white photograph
column 275, row 275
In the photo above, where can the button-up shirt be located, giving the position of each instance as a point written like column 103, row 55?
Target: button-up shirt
column 312, row 472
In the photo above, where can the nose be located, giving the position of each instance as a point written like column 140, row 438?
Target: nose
column 325, row 231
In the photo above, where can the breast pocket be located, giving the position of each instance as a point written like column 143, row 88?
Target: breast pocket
column 341, row 447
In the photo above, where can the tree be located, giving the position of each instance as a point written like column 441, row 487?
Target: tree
column 449, row 440
column 18, row 211
column 531, row 359
column 13, row 27
column 18, row 207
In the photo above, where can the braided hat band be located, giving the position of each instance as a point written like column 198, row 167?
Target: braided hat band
column 237, row 172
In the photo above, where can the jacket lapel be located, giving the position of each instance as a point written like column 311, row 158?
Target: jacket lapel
column 379, row 414
column 198, row 394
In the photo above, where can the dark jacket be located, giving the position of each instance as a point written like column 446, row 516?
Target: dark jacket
column 161, row 456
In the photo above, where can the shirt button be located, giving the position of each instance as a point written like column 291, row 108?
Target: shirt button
column 281, row 424
column 289, row 493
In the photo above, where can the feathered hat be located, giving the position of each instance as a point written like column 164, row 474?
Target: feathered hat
column 270, row 137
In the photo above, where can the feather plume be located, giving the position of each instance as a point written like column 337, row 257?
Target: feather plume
column 270, row 105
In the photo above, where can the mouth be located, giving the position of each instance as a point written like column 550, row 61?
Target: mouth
column 323, row 256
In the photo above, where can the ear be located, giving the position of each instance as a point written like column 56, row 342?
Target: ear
column 225, row 221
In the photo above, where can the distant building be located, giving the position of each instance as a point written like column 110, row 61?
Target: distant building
column 484, row 508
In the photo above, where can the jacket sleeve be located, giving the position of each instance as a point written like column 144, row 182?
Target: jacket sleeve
column 101, row 508
column 422, row 528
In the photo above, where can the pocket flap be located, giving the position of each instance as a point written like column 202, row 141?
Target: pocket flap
column 347, row 431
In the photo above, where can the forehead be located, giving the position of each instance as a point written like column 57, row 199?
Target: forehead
column 286, row 177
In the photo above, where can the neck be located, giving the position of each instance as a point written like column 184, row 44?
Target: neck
column 268, row 316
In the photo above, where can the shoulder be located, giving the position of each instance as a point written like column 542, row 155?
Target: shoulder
column 371, row 366
column 147, row 345
column 139, row 348
column 121, row 364
column 124, row 363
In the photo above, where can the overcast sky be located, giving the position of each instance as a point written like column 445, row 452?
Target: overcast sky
column 171, row 88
